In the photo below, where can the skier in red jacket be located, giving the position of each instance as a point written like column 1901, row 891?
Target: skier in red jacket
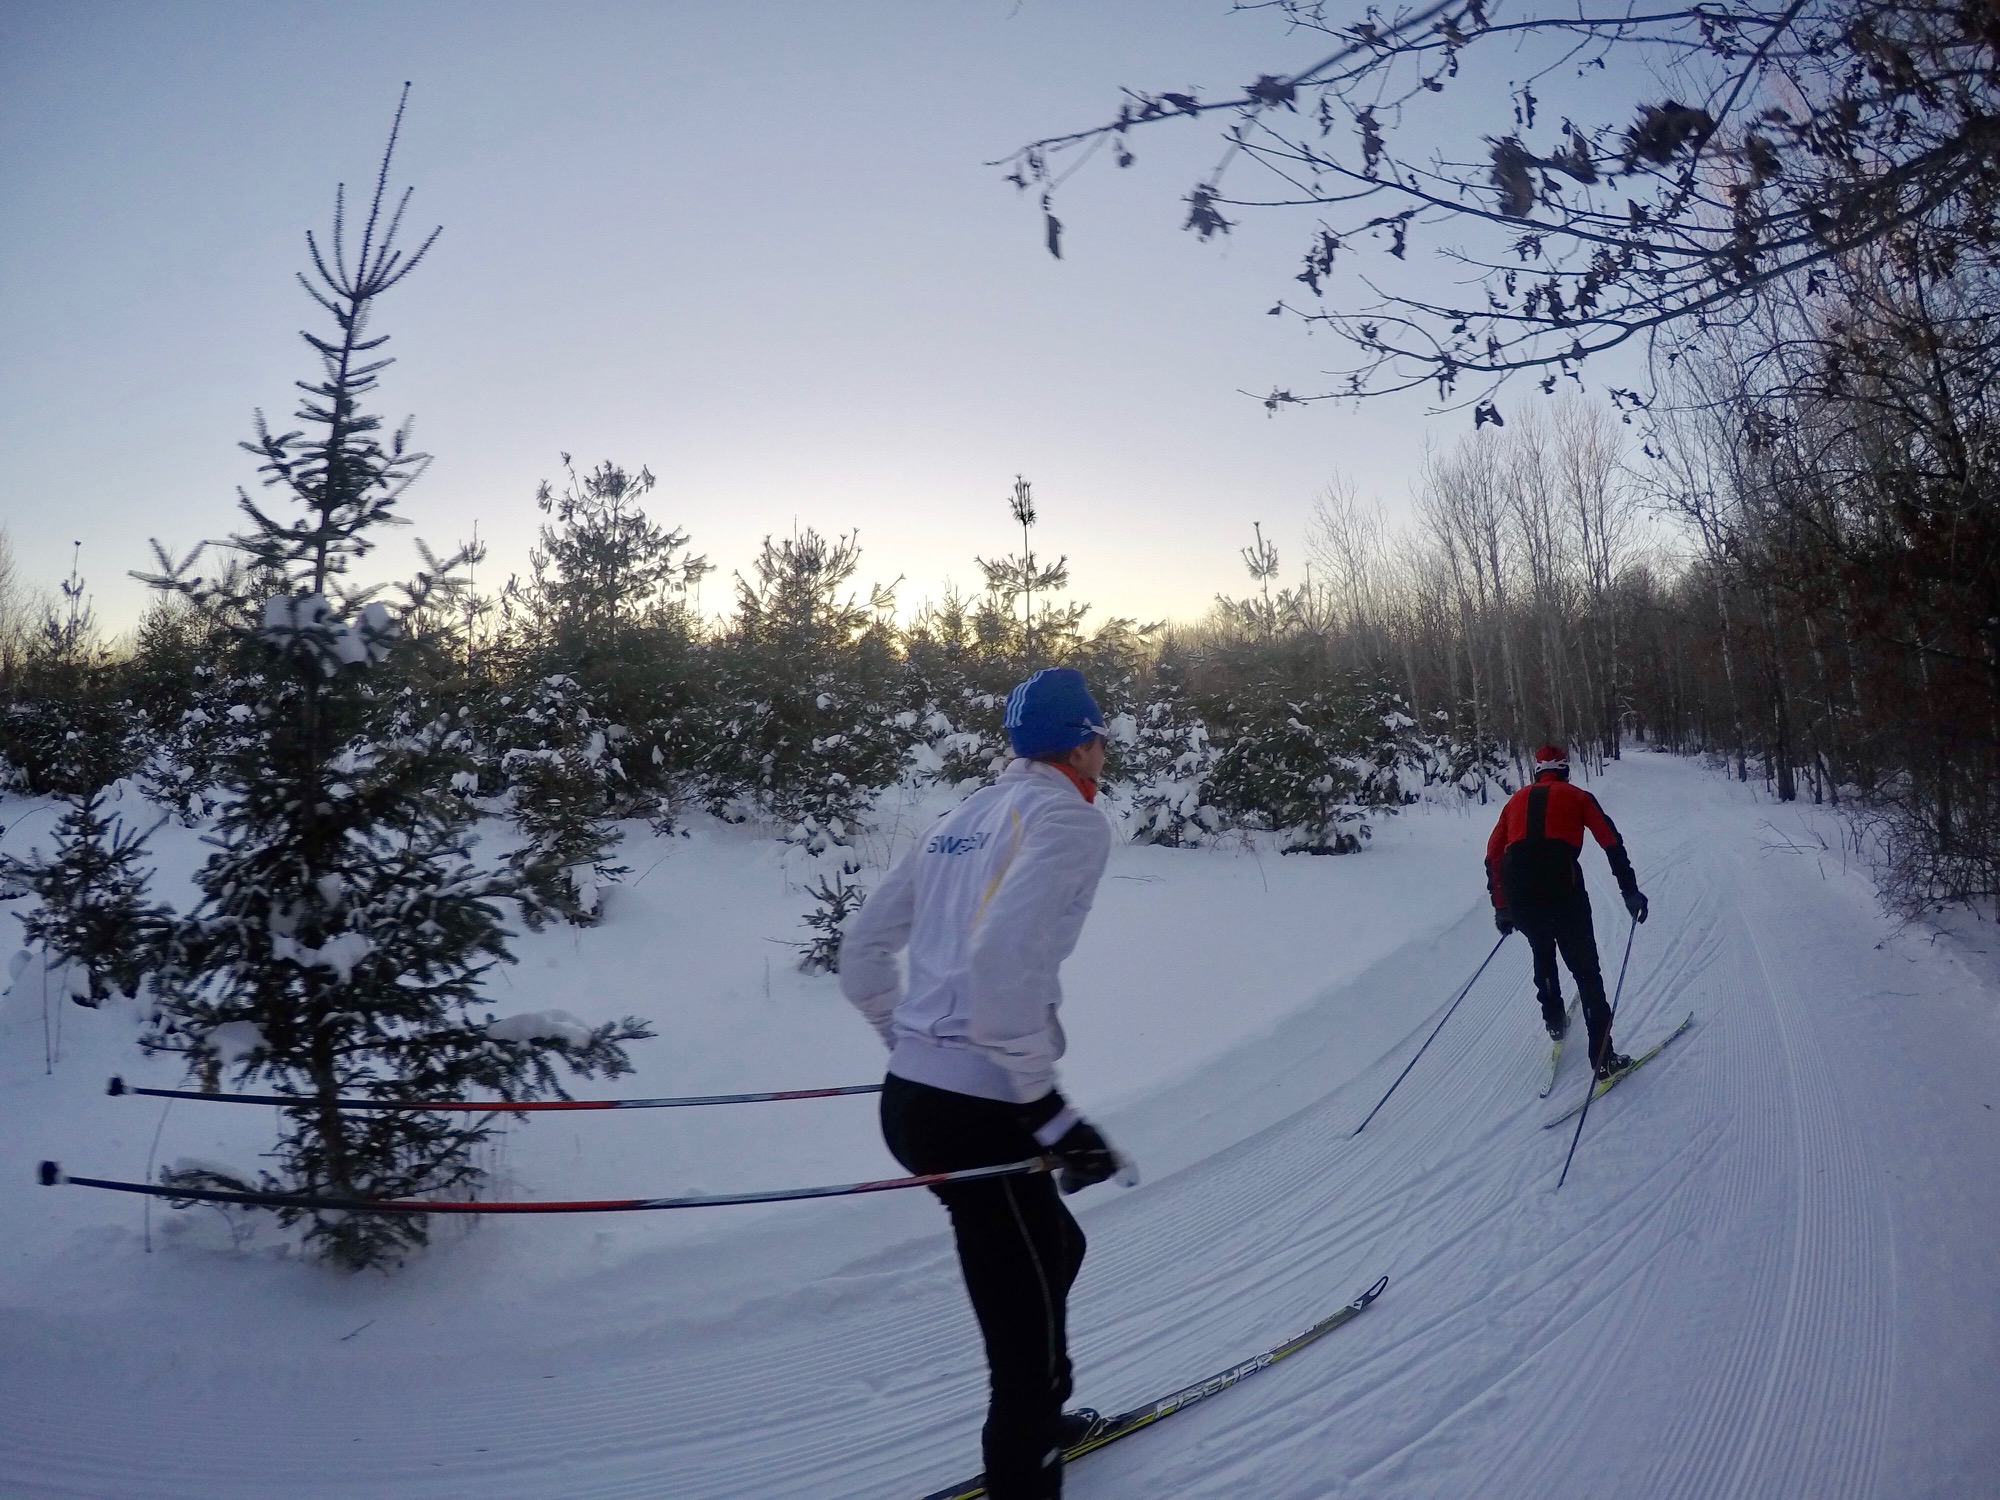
column 1536, row 881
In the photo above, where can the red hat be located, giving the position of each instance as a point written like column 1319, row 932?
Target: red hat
column 1551, row 758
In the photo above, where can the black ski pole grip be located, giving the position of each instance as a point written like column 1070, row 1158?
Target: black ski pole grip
column 51, row 1174
column 116, row 1086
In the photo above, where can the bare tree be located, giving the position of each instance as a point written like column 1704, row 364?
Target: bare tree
column 1757, row 142
column 1344, row 538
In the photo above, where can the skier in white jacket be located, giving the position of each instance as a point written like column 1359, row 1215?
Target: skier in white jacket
column 989, row 903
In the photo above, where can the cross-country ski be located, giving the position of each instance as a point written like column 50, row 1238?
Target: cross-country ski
column 1101, row 1431
column 1601, row 1086
column 1556, row 1054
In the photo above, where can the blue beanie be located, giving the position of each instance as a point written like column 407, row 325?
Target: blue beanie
column 1051, row 712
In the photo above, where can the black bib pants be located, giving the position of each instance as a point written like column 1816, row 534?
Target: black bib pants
column 1543, row 882
column 1020, row 1250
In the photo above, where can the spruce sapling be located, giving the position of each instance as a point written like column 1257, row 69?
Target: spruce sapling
column 344, row 930
column 92, row 912
column 836, row 899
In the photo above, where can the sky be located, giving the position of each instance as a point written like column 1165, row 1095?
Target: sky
column 756, row 248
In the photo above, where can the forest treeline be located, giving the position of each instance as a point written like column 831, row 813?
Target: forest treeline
column 1806, row 595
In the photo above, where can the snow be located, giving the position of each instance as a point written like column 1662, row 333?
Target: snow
column 1772, row 1272
column 305, row 623
column 341, row 953
column 36, row 971
column 533, row 1025
column 235, row 1040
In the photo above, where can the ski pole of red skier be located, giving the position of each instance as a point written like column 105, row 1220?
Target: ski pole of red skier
column 1432, row 1037
column 1584, row 1113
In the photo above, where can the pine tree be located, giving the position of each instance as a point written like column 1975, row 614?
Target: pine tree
column 1167, row 768
column 196, row 686
column 1021, row 576
column 806, row 719
column 562, row 781
column 68, row 729
column 91, row 911
column 344, row 930
column 606, row 603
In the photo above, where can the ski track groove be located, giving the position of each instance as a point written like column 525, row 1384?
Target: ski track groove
column 1728, row 1166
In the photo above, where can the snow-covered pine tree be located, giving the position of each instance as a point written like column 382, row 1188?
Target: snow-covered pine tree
column 955, row 679
column 964, row 739
column 344, row 930
column 1166, row 766
column 807, row 724
column 195, row 684
column 563, row 781
column 606, row 603
column 91, row 911
column 68, row 729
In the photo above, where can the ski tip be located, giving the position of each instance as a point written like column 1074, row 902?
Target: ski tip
column 116, row 1086
column 51, row 1174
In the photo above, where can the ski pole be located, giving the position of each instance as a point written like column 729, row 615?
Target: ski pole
column 500, row 1106
column 1584, row 1113
column 52, row 1175
column 1432, row 1037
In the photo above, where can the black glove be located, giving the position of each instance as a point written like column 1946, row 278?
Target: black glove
column 1636, row 903
column 1502, row 921
column 1083, row 1158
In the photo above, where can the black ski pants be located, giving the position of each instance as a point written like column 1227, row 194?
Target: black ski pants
column 1564, row 926
column 1020, row 1250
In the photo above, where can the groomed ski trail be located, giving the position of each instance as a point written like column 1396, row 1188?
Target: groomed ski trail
column 1750, row 1287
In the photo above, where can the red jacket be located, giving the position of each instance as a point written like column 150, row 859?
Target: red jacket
column 1567, row 811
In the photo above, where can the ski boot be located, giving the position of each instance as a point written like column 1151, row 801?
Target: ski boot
column 1076, row 1426
column 1558, row 1025
column 1611, row 1064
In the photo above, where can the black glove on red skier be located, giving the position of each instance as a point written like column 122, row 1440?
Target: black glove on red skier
column 1502, row 921
column 1083, row 1158
column 1636, row 903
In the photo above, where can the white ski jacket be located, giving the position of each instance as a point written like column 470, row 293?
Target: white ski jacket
column 989, row 903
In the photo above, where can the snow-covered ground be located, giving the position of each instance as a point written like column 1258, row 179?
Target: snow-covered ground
column 1774, row 1271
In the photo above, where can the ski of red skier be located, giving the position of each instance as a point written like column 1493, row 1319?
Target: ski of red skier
column 1623, row 1073
column 1107, row 1430
column 1556, row 1052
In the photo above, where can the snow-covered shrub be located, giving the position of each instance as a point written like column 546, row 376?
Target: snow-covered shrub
column 1166, row 765
column 71, row 742
column 185, row 756
column 961, row 745
column 1442, row 751
column 1314, row 769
